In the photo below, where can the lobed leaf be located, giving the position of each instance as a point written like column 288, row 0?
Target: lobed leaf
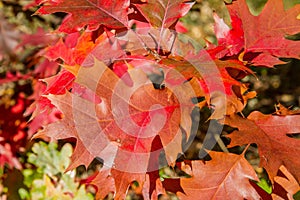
column 90, row 13
column 228, row 174
column 269, row 132
column 265, row 33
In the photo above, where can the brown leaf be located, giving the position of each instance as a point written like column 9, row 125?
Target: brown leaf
column 289, row 183
column 226, row 176
column 221, row 90
column 103, row 176
column 269, row 132
column 282, row 110
column 118, row 123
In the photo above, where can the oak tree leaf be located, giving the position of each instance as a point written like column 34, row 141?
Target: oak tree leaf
column 90, row 13
column 265, row 33
column 101, row 177
column 59, row 83
column 215, row 79
column 269, row 132
column 121, row 126
column 289, row 183
column 225, row 176
column 64, row 129
column 282, row 110
column 164, row 13
column 230, row 40
column 75, row 48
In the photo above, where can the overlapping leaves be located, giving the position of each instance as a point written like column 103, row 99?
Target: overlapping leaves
column 122, row 118
column 270, row 133
column 263, row 38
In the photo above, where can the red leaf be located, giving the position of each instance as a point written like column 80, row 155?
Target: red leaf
column 40, row 38
column 180, row 28
column 269, row 132
column 83, row 49
column 99, row 51
column 226, row 176
column 215, row 82
column 266, row 32
column 106, row 181
column 46, row 68
column 60, row 50
column 230, row 41
column 121, row 128
column 7, row 157
column 164, row 13
column 42, row 112
column 73, row 50
column 266, row 59
column 59, row 83
column 209, row 77
column 90, row 13
column 123, row 179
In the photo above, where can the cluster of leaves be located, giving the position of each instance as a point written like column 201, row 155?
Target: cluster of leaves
column 21, row 67
column 47, row 179
column 130, row 85
column 115, row 53
column 22, row 39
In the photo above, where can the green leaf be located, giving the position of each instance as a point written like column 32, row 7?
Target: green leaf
column 48, row 159
column 256, row 6
column 48, row 181
column 81, row 194
column 290, row 3
column 297, row 195
column 24, row 194
column 264, row 185
column 30, row 175
column 219, row 7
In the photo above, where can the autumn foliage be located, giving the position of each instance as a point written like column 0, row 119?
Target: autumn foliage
column 132, row 85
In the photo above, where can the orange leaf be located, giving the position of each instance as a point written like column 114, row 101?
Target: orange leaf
column 269, row 132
